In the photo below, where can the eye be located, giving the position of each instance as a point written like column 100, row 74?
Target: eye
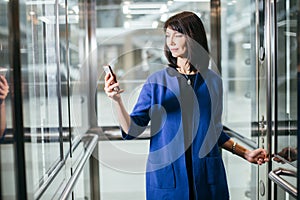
column 178, row 35
column 167, row 34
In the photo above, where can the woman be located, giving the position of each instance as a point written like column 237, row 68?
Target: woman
column 184, row 103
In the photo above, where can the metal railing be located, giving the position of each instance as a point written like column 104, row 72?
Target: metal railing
column 275, row 176
column 90, row 144
column 240, row 137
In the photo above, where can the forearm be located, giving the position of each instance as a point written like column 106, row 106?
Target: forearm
column 123, row 116
column 257, row 156
column 235, row 148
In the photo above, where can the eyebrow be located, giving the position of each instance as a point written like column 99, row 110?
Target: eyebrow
column 168, row 31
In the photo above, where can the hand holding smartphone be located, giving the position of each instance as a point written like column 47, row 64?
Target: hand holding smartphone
column 108, row 70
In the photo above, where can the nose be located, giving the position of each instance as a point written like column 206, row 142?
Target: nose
column 171, row 40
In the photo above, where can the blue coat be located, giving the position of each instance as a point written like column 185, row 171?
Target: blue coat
column 161, row 102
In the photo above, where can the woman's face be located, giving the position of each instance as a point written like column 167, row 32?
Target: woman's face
column 176, row 42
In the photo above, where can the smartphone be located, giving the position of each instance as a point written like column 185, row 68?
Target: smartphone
column 3, row 71
column 108, row 70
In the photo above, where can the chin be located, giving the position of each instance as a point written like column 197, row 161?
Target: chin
column 175, row 55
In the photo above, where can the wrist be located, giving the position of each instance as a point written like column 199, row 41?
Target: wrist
column 246, row 155
column 117, row 99
column 240, row 151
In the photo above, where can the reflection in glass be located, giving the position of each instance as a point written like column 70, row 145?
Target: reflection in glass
column 238, row 61
column 54, row 69
column 7, row 173
column 40, row 91
column 287, row 88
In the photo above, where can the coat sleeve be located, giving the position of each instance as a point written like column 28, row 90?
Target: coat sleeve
column 140, row 114
column 223, row 138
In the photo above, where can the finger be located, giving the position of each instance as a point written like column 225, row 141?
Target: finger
column 108, row 89
column 109, row 81
column 113, row 86
column 3, row 91
column 266, row 159
column 120, row 91
column 2, row 97
column 264, row 153
column 106, row 77
column 109, row 78
column 3, row 80
column 114, row 93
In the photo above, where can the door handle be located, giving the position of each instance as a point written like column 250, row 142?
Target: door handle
column 275, row 176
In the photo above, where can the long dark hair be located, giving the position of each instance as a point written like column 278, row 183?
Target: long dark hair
column 189, row 24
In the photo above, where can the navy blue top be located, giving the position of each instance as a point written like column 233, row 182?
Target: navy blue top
column 187, row 115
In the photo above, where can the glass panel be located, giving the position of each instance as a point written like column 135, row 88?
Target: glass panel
column 40, row 90
column 287, row 80
column 75, row 74
column 238, row 61
column 238, row 64
column 287, row 91
column 7, row 162
column 53, row 48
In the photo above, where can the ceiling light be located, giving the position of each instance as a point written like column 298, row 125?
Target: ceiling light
column 203, row 1
column 164, row 17
column 144, row 8
column 155, row 24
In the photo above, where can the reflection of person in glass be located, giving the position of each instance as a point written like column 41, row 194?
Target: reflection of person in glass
column 4, row 89
column 184, row 103
column 288, row 154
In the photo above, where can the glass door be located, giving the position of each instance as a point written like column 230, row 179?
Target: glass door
column 239, row 72
column 283, row 172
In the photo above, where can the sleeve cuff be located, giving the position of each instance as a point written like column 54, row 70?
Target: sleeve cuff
column 223, row 138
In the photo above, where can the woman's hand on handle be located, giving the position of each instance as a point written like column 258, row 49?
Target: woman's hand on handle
column 257, row 156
